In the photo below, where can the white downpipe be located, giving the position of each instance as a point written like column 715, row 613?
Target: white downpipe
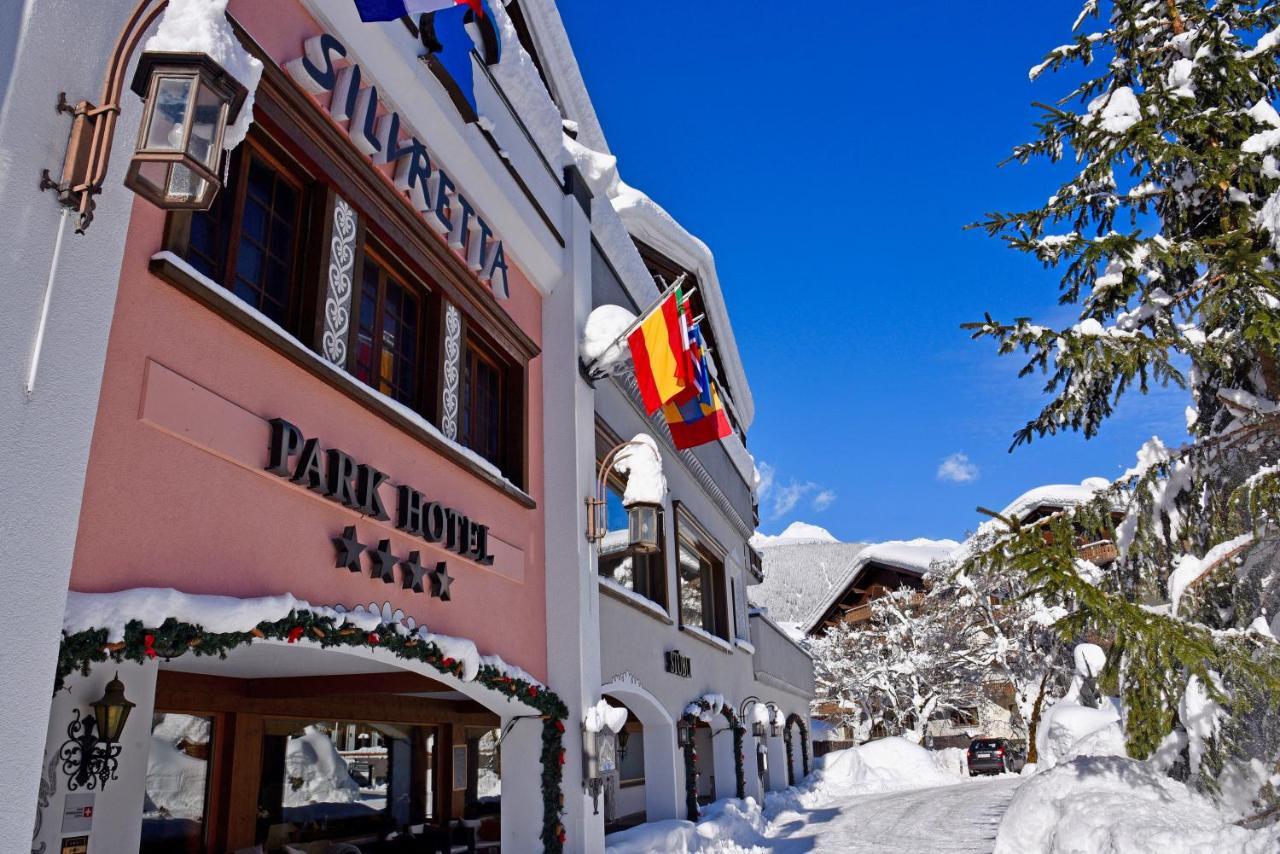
column 38, row 345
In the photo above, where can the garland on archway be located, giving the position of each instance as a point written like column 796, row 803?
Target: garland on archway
column 794, row 720
column 692, row 714
column 173, row 638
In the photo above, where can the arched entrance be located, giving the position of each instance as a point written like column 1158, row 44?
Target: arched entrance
column 257, row 732
column 796, row 724
column 650, row 748
column 700, row 717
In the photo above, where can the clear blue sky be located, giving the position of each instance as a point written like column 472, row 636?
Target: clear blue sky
column 830, row 154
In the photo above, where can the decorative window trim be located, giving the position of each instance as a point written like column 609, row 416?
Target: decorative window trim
column 452, row 371
column 172, row 269
column 339, row 282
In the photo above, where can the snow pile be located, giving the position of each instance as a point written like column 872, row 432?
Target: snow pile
column 1116, row 111
column 708, row 707
column 315, row 773
column 1114, row 805
column 216, row 614
column 642, row 464
column 1069, row 730
column 794, row 534
column 918, row 554
column 201, row 26
column 726, row 827
column 603, row 715
column 952, row 761
column 175, row 783
column 602, row 343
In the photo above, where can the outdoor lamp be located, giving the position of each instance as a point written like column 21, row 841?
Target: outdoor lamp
column 642, row 527
column 684, row 733
column 757, row 729
column 774, row 730
column 90, row 755
column 189, row 99
column 112, row 711
column 599, row 757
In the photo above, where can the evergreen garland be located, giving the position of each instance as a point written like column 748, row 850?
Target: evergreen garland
column 174, row 638
column 691, row 756
column 794, row 720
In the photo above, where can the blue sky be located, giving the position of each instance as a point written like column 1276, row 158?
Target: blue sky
column 830, row 154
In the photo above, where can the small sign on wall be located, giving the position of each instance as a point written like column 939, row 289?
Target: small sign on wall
column 77, row 812
column 75, row 845
column 677, row 664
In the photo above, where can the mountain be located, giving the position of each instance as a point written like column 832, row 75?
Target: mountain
column 795, row 533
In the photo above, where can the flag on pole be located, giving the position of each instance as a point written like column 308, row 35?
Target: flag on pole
column 694, row 421
column 659, row 353
column 699, row 374
column 391, row 10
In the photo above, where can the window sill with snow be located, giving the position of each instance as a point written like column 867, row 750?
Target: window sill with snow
column 708, row 638
column 629, row 597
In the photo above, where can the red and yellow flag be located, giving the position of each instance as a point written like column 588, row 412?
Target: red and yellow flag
column 658, row 351
column 696, row 418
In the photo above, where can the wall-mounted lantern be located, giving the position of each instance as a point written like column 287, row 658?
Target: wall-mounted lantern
column 684, row 732
column 189, row 101
column 599, row 759
column 758, row 729
column 642, row 517
column 90, row 755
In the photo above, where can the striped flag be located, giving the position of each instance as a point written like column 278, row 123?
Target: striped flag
column 391, row 10
column 659, row 351
column 696, row 419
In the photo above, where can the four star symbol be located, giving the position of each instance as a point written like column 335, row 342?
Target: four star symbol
column 413, row 575
column 349, row 549
column 384, row 562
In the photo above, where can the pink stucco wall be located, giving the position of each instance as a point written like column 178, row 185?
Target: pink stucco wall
column 175, row 494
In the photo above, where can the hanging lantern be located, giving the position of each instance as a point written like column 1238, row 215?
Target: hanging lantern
column 684, row 733
column 189, row 100
column 642, row 527
column 757, row 729
column 112, row 711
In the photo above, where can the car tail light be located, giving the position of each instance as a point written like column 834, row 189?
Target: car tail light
column 1000, row 752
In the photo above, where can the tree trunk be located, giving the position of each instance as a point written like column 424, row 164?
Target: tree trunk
column 1034, row 724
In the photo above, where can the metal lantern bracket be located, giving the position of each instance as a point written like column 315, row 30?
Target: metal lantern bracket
column 87, row 762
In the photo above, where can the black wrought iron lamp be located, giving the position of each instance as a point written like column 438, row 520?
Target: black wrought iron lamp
column 684, row 732
column 190, row 99
column 642, row 516
column 90, row 755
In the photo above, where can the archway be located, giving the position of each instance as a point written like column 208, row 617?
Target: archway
column 795, row 722
column 698, row 716
column 661, row 788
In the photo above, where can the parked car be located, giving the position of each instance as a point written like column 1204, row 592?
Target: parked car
column 994, row 756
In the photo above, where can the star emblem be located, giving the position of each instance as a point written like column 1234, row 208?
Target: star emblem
column 412, row 573
column 384, row 562
column 349, row 549
column 441, row 581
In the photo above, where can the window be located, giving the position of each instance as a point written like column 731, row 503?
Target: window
column 388, row 347
column 702, row 580
column 643, row 573
column 484, row 770
column 483, row 405
column 250, row 240
column 176, row 807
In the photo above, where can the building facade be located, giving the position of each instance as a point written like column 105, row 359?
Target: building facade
column 305, row 471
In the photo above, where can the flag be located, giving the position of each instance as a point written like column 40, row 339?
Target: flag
column 693, row 421
column 699, row 374
column 391, row 10
column 659, row 353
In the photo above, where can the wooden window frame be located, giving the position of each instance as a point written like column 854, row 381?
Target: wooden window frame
column 606, row 440
column 513, row 379
column 715, row 584
column 426, row 362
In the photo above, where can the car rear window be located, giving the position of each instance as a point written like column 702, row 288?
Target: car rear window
column 984, row 745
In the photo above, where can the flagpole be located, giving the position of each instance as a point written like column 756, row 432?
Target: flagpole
column 634, row 325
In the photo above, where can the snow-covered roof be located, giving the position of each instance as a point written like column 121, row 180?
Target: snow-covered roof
column 1057, row 495
column 794, row 534
column 623, row 213
column 802, row 580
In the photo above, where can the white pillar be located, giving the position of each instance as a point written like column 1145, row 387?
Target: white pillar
column 522, row 786
column 777, row 764
column 46, row 434
column 117, row 807
column 663, row 782
column 750, row 750
column 573, row 605
column 723, row 760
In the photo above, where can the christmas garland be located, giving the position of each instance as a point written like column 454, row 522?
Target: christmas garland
column 173, row 638
column 691, row 756
column 794, row 719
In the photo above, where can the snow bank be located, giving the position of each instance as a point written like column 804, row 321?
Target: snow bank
column 1114, row 805
column 726, row 827
column 642, row 464
column 603, row 715
column 315, row 773
column 1069, row 730
column 201, row 26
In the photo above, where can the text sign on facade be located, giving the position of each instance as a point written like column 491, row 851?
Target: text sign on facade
column 77, row 813
column 678, row 664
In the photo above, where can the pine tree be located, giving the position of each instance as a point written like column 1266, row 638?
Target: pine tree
column 1167, row 239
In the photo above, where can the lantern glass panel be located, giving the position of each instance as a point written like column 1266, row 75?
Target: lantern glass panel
column 757, row 729
column 643, row 527
column 203, row 144
column 184, row 186
column 169, row 114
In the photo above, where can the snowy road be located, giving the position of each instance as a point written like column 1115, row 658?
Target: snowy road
column 959, row 819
